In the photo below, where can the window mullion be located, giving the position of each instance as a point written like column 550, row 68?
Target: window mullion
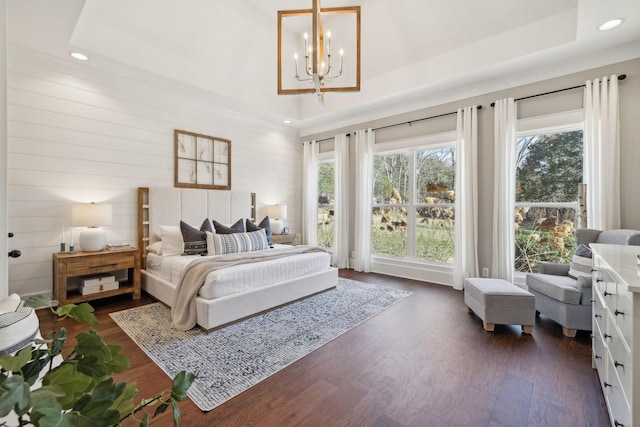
column 411, row 216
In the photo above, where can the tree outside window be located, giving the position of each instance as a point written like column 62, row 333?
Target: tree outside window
column 326, row 180
column 548, row 172
column 413, row 204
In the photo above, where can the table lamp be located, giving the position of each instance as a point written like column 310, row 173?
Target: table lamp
column 91, row 215
column 276, row 214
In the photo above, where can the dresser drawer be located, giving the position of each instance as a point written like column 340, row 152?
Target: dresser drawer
column 623, row 314
column 616, row 399
column 609, row 289
column 621, row 360
column 599, row 356
column 599, row 315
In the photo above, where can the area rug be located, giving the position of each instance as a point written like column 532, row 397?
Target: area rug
column 229, row 360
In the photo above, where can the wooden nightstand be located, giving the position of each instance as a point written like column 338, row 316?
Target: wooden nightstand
column 286, row 239
column 68, row 268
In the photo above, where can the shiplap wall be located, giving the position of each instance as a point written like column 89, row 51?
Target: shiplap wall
column 78, row 133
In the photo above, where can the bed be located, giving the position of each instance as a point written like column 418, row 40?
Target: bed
column 235, row 292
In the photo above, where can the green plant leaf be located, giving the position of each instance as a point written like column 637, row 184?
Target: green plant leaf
column 40, row 301
column 145, row 420
column 46, row 392
column 47, row 412
column 181, row 384
column 119, row 363
column 91, row 366
column 58, row 342
column 84, row 313
column 74, row 383
column 15, row 394
column 124, row 403
column 15, row 363
column 160, row 409
column 39, row 359
column 64, row 310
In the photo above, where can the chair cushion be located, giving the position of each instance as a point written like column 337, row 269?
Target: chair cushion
column 581, row 263
column 561, row 288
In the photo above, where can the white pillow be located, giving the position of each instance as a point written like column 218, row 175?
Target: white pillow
column 156, row 248
column 172, row 243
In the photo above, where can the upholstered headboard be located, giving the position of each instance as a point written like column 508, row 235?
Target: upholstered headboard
column 159, row 206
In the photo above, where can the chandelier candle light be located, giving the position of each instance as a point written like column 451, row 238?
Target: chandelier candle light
column 318, row 67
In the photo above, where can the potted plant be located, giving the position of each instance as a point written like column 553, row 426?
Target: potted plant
column 79, row 390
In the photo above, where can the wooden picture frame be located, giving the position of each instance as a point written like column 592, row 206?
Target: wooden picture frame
column 202, row 161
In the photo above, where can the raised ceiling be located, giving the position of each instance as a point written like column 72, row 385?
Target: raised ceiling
column 414, row 52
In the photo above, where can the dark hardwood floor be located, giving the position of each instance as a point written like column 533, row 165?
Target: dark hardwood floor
column 423, row 362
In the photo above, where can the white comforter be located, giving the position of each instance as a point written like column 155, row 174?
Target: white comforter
column 239, row 278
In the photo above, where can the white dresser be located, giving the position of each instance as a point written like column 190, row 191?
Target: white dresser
column 616, row 330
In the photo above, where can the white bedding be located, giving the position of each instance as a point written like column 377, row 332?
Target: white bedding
column 239, row 278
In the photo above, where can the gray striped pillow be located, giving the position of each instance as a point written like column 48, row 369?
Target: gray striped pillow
column 240, row 242
column 581, row 262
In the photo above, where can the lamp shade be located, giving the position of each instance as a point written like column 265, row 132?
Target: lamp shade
column 277, row 211
column 91, row 215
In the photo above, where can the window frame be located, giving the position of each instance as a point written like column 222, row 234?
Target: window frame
column 326, row 157
column 567, row 121
column 413, row 145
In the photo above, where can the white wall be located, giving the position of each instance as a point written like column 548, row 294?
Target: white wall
column 78, row 134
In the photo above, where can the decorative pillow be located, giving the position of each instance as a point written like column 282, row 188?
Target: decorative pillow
column 172, row 243
column 237, row 227
column 206, row 226
column 581, row 262
column 195, row 241
column 156, row 248
column 239, row 242
column 265, row 224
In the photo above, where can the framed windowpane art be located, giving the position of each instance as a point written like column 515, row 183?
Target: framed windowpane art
column 202, row 161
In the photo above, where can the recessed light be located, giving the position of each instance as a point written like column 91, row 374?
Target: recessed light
column 79, row 56
column 286, row 122
column 611, row 24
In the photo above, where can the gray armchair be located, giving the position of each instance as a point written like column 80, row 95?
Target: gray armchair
column 564, row 299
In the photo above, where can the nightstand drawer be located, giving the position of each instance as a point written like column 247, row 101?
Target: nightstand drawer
column 99, row 265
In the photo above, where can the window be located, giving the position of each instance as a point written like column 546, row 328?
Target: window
column 548, row 174
column 326, row 178
column 413, row 204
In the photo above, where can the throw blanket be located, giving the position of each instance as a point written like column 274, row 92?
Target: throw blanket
column 183, row 310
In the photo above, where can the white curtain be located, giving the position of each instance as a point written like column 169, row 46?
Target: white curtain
column 341, row 203
column 466, row 202
column 310, row 193
column 363, row 199
column 602, row 153
column 505, row 127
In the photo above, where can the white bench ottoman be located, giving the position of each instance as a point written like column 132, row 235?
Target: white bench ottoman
column 498, row 302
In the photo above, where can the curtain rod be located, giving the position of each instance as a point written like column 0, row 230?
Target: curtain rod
column 406, row 123
column 422, row 119
column 620, row 77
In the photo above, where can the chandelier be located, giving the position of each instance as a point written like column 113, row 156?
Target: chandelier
column 319, row 68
